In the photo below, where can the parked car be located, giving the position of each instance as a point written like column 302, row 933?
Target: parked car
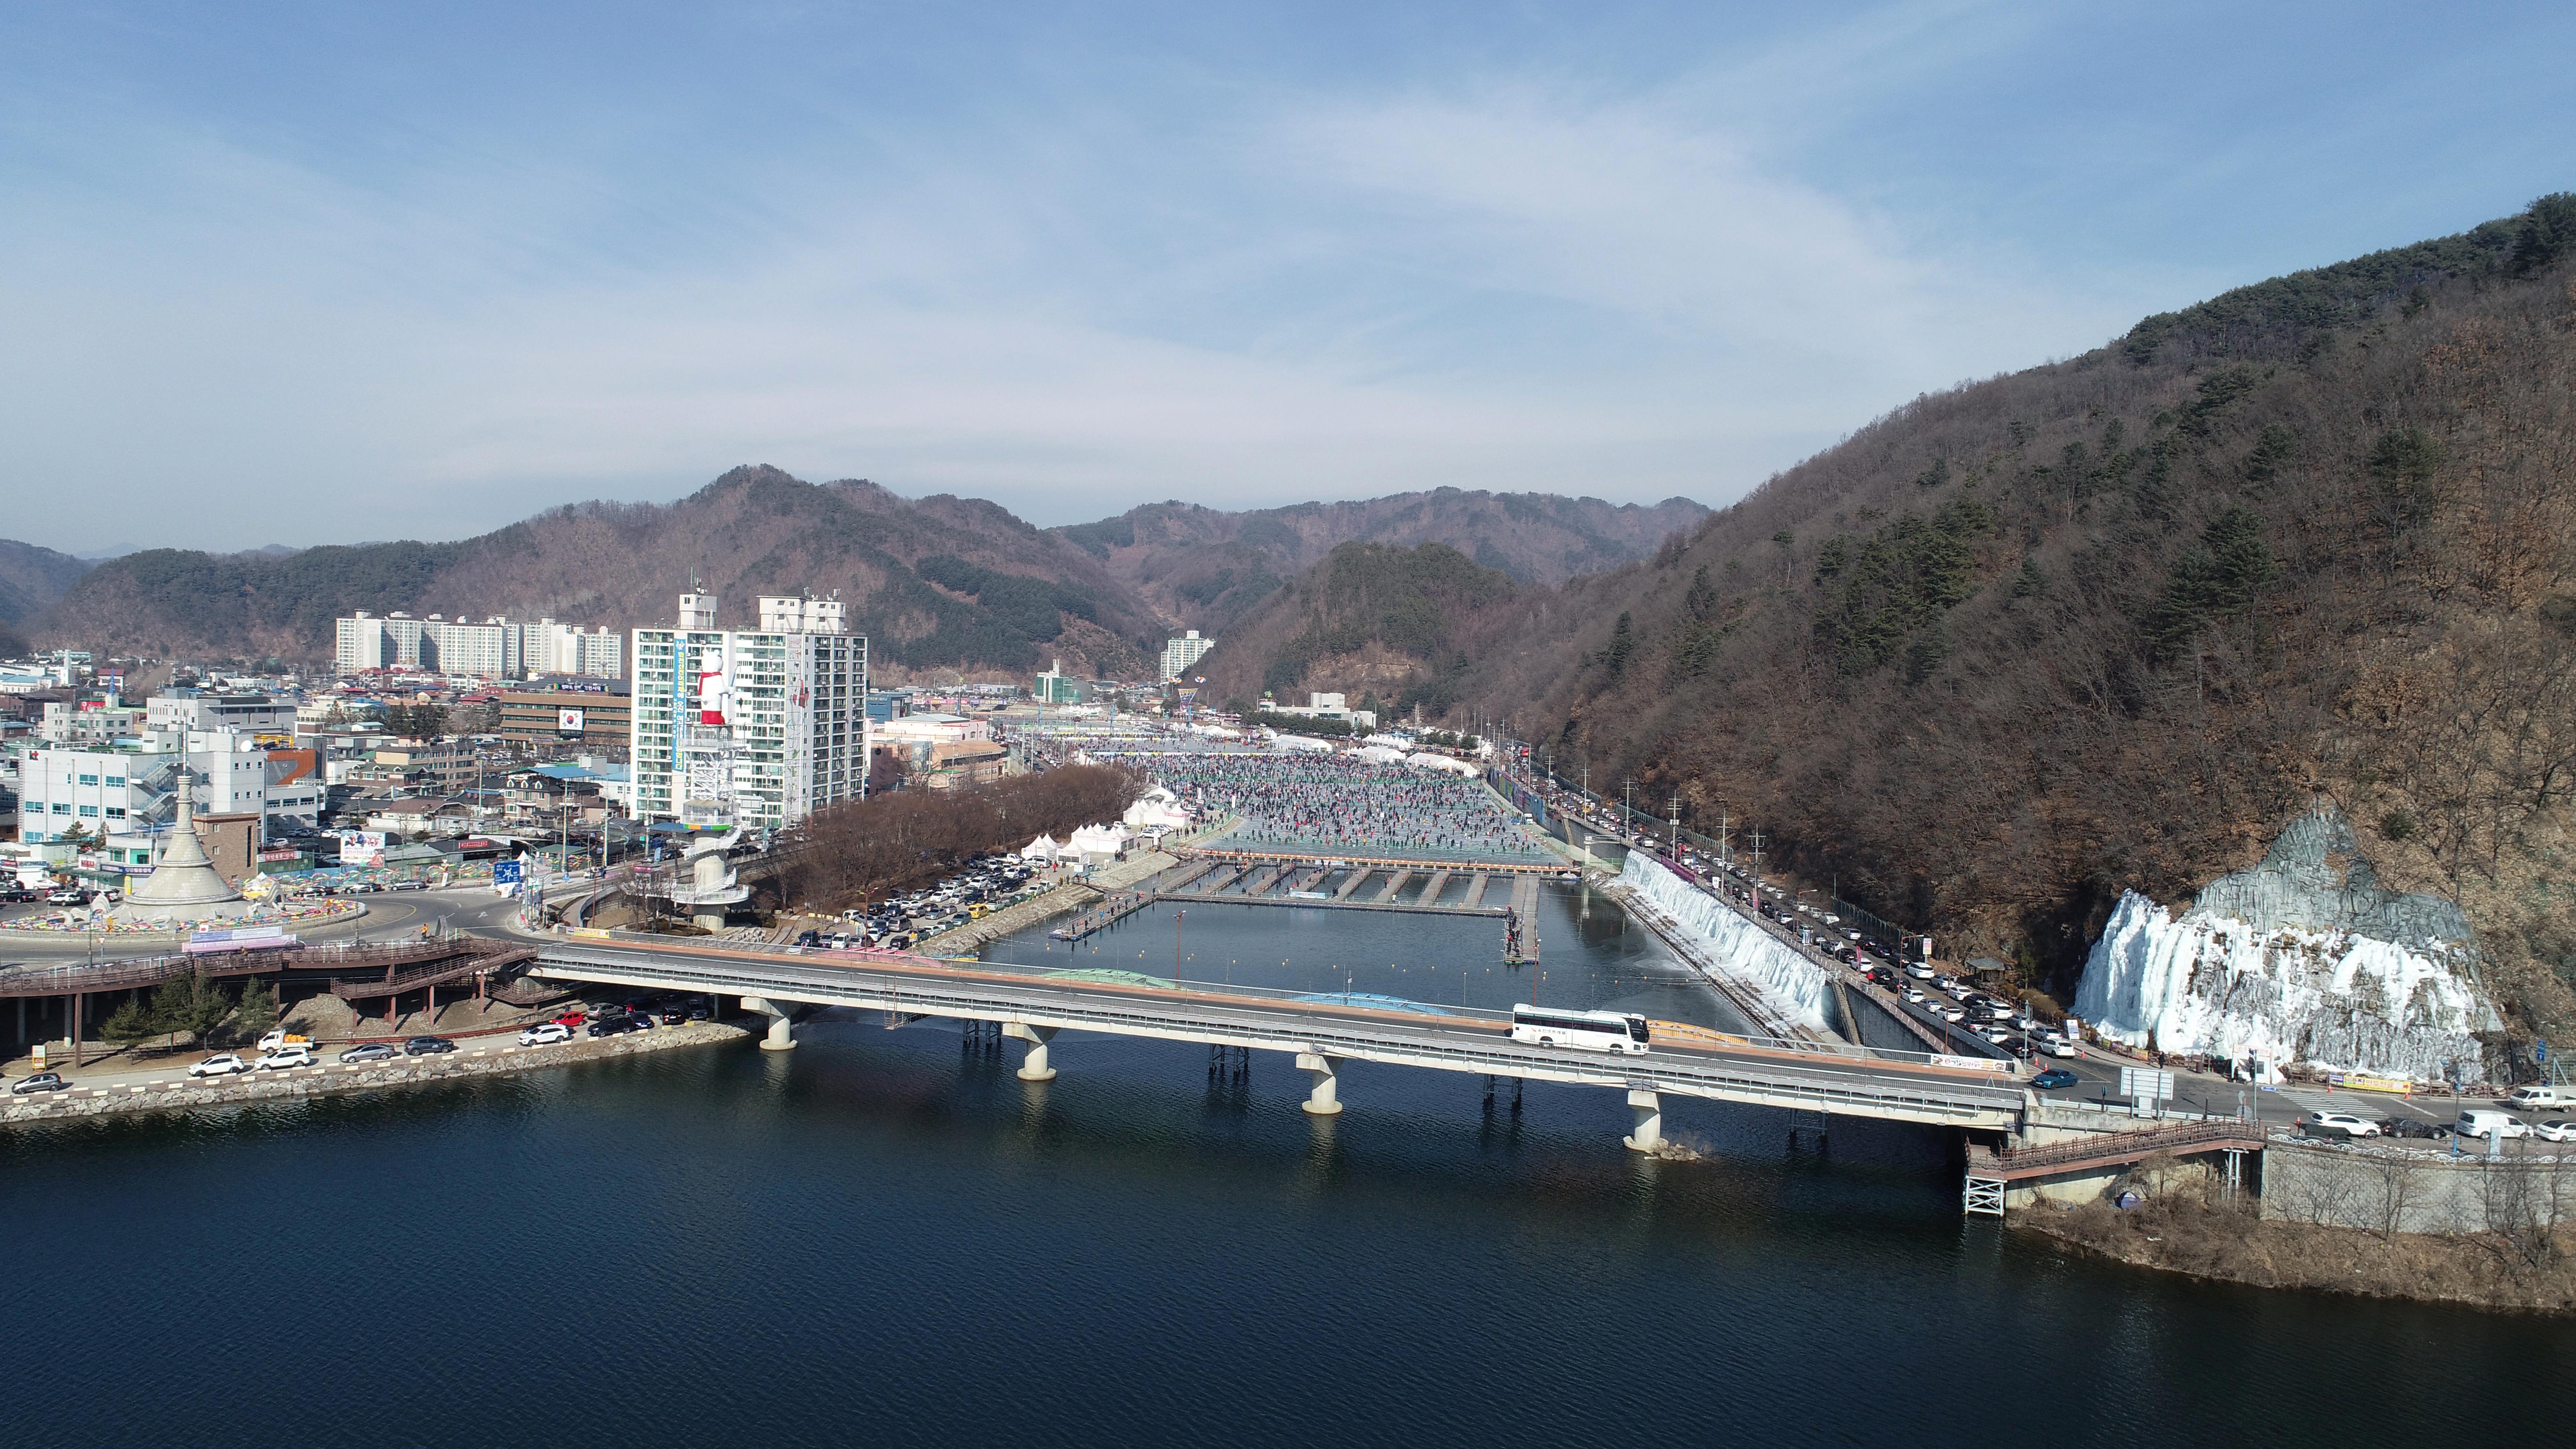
column 2527, row 1099
column 40, row 1082
column 2491, row 1125
column 2410, row 1127
column 571, row 1019
column 428, row 1046
column 370, row 1051
column 287, row 1059
column 545, row 1033
column 66, row 897
column 2055, row 1079
column 2556, row 1129
column 2057, row 1046
column 2337, row 1124
column 222, row 1064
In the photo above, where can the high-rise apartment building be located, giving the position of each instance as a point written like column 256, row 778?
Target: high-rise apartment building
column 497, row 648
column 1179, row 654
column 760, row 727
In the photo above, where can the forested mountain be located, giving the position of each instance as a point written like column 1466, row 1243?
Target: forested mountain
column 31, row 579
column 939, row 583
column 1384, row 625
column 1205, row 569
column 2110, row 622
column 933, row 582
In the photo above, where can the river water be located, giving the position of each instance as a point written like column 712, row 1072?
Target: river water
column 885, row 1238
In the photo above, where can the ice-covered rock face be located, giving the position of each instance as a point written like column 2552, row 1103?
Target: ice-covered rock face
column 1733, row 943
column 2302, row 958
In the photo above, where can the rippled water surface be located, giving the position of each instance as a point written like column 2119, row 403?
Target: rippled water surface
column 885, row 1238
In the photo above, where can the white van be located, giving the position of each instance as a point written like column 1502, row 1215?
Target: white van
column 2491, row 1124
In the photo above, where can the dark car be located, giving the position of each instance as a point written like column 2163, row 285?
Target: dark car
column 373, row 1051
column 618, row 1025
column 40, row 1082
column 675, row 1015
column 2055, row 1079
column 428, row 1046
column 411, row 885
column 2409, row 1127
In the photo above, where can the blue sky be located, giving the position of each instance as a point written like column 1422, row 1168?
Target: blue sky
column 306, row 274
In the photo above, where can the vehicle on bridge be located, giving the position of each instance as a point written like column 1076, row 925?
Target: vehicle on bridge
column 1599, row 1031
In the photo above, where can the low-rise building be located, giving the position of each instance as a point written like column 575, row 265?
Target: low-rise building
column 597, row 720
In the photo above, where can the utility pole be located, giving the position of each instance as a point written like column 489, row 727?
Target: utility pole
column 1677, row 824
column 1725, row 851
column 1628, row 792
column 1757, row 871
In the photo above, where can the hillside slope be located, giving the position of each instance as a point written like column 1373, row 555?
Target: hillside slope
column 2110, row 623
column 937, row 582
column 31, row 579
column 1385, row 625
column 1204, row 569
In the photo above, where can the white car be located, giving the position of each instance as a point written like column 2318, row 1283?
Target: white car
column 2527, row 1099
column 1920, row 972
column 2557, row 1129
column 1951, row 1013
column 545, row 1033
column 286, row 1059
column 2339, row 1124
column 2058, row 1046
column 223, row 1064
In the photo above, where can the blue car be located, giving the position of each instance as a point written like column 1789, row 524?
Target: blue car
column 2055, row 1078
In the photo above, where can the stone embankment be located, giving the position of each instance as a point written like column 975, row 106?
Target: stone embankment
column 331, row 1078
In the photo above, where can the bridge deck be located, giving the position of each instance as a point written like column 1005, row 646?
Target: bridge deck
column 1782, row 1074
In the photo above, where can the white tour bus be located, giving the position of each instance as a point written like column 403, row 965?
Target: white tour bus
column 1599, row 1031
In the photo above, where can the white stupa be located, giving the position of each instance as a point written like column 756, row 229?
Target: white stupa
column 184, row 884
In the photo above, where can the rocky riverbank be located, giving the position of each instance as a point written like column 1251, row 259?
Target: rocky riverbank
column 469, row 1060
column 2532, row 1271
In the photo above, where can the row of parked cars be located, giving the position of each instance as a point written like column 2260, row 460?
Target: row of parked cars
column 896, row 924
column 2001, row 1023
column 633, row 1014
column 2477, row 1123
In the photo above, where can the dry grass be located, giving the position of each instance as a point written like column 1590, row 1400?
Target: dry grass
column 2223, row 1240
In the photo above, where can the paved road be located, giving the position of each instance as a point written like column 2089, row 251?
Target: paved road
column 390, row 916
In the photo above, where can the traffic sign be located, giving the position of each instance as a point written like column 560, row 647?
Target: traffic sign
column 2540, row 1052
column 505, row 872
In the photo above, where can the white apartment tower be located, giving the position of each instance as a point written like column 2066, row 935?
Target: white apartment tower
column 760, row 727
column 1180, row 654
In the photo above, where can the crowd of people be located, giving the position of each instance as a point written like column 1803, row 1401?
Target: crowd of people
column 1339, row 803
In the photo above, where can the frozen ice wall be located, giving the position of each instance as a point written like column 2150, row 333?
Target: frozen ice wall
column 1732, row 943
column 2302, row 958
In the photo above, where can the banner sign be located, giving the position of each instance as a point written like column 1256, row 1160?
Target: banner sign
column 362, row 847
column 240, row 938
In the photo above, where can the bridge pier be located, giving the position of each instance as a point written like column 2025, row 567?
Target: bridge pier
column 1647, row 1111
column 782, row 1035
column 1325, row 1099
column 1033, row 1067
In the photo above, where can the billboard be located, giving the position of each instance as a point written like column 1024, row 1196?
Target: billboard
column 362, row 847
column 568, row 721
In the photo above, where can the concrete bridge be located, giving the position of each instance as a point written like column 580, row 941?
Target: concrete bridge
column 1033, row 1006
